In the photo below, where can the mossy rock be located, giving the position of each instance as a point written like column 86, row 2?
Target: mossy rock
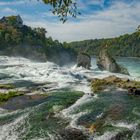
column 98, row 85
column 6, row 96
column 101, row 84
column 6, row 86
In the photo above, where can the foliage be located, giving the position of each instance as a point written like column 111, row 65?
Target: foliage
column 127, row 45
column 63, row 8
column 10, row 94
column 31, row 43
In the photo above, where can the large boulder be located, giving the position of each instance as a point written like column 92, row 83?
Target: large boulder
column 106, row 62
column 84, row 60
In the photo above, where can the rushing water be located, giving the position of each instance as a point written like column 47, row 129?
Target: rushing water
column 114, row 112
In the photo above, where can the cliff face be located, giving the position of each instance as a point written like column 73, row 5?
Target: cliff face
column 106, row 62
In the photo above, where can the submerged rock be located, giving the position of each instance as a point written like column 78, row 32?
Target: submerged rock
column 84, row 60
column 123, row 135
column 57, row 108
column 106, row 62
column 23, row 101
column 72, row 134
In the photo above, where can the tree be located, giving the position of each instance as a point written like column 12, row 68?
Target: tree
column 63, row 8
column 138, row 29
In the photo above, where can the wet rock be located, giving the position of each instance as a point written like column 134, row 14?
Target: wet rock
column 24, row 101
column 123, row 135
column 6, row 86
column 134, row 90
column 84, row 60
column 106, row 62
column 72, row 134
column 114, row 112
column 102, row 84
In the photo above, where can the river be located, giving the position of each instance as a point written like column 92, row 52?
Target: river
column 118, row 113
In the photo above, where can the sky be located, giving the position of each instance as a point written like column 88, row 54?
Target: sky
column 98, row 19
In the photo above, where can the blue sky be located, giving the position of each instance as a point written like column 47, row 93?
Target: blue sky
column 99, row 19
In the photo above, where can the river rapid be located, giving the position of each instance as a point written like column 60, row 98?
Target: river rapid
column 117, row 113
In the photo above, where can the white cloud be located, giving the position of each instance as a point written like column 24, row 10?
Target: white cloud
column 84, row 4
column 95, row 2
column 2, row 3
column 8, row 10
column 120, row 18
column 18, row 2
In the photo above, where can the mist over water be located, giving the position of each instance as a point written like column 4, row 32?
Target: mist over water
column 24, row 72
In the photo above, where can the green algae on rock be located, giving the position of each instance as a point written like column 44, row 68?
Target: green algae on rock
column 6, row 86
column 42, row 118
column 102, row 84
column 6, row 96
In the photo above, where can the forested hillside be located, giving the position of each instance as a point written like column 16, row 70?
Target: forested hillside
column 125, row 45
column 17, row 39
column 20, row 40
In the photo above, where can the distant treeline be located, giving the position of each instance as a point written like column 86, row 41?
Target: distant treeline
column 127, row 45
column 20, row 40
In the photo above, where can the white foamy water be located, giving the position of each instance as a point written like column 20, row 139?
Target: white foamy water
column 69, row 112
column 13, row 69
column 105, row 136
column 19, row 69
column 126, row 125
column 9, row 131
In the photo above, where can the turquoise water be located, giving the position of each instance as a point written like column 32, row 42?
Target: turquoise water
column 132, row 64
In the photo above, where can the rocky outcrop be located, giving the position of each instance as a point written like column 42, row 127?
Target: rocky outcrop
column 106, row 62
column 113, row 81
column 84, row 60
